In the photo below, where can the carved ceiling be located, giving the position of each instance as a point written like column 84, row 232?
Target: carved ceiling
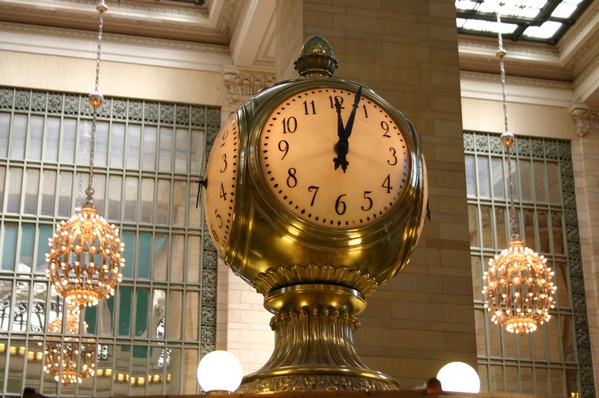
column 245, row 29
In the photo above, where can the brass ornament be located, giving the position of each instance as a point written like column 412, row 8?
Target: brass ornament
column 315, row 276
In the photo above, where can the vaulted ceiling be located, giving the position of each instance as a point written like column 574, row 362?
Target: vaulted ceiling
column 245, row 29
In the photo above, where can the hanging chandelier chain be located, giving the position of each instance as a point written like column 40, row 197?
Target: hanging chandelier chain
column 518, row 285
column 508, row 138
column 95, row 100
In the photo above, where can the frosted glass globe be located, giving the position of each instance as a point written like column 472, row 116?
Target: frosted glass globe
column 459, row 377
column 219, row 371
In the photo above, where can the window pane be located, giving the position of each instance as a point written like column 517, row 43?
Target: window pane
column 31, row 191
column 147, row 200
column 539, row 182
column 131, row 199
column 44, row 234
column 34, row 144
column 166, row 149
column 173, row 313
column 48, row 192
column 526, row 183
column 117, row 145
column 149, row 148
column 15, row 181
column 101, row 149
column 2, row 187
column 554, row 183
column 65, row 186
column 557, row 232
column 133, row 146
column 52, row 134
column 483, row 177
column 4, row 133
column 9, row 246
column 165, row 204
column 470, row 175
column 27, row 242
column 18, row 136
column 498, row 178
column 113, row 208
column 69, row 136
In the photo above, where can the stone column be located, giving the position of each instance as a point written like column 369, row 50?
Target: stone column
column 407, row 52
column 585, row 155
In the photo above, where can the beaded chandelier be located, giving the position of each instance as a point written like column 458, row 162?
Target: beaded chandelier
column 85, row 258
column 518, row 283
column 71, row 358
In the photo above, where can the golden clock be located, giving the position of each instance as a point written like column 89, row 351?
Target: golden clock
column 221, row 186
column 315, row 197
column 335, row 155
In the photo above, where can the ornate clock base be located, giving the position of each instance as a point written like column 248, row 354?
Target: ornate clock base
column 319, row 380
column 314, row 325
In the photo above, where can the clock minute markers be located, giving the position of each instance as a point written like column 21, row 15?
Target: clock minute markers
column 342, row 146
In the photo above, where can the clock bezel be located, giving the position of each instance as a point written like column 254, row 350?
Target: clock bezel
column 229, row 250
column 280, row 215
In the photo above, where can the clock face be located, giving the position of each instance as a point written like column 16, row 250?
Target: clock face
column 222, row 183
column 334, row 157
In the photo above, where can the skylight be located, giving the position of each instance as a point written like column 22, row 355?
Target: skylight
column 543, row 21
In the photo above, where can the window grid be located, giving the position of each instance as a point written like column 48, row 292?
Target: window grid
column 552, row 360
column 148, row 159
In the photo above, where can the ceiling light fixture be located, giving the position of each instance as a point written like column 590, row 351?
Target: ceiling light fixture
column 85, row 261
column 518, row 283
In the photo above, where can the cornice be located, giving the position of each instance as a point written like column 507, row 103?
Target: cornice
column 516, row 81
column 225, row 21
column 114, row 38
column 486, row 48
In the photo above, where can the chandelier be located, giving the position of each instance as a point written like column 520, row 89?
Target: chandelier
column 518, row 283
column 85, row 258
column 69, row 359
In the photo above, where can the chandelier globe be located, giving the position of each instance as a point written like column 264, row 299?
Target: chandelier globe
column 518, row 285
column 69, row 359
column 85, row 257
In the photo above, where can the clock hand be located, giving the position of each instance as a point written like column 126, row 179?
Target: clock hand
column 342, row 146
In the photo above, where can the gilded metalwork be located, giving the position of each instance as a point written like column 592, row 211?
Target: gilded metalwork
column 316, row 276
column 282, row 276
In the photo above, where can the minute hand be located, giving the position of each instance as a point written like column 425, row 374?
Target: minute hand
column 350, row 122
column 342, row 146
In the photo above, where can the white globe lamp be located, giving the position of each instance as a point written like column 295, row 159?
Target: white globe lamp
column 459, row 377
column 219, row 371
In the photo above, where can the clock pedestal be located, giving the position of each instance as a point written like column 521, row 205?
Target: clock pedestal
column 314, row 325
column 315, row 197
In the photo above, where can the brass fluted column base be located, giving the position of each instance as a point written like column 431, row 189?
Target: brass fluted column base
column 314, row 350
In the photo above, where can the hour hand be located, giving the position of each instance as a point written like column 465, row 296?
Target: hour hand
column 342, row 146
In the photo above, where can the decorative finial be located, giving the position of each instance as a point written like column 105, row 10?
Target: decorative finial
column 316, row 58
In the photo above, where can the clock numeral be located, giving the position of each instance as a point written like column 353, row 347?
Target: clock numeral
column 289, row 125
column 224, row 158
column 309, row 108
column 387, row 184
column 222, row 194
column 336, row 100
column 340, row 205
column 223, row 138
column 291, row 179
column 214, row 234
column 385, row 126
column 392, row 162
column 313, row 188
column 369, row 200
column 219, row 218
column 365, row 111
column 283, row 147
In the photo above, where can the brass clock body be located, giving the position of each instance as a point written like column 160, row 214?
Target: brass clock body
column 292, row 207
column 315, row 196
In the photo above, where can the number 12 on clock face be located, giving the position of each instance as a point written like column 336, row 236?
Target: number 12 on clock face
column 334, row 157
